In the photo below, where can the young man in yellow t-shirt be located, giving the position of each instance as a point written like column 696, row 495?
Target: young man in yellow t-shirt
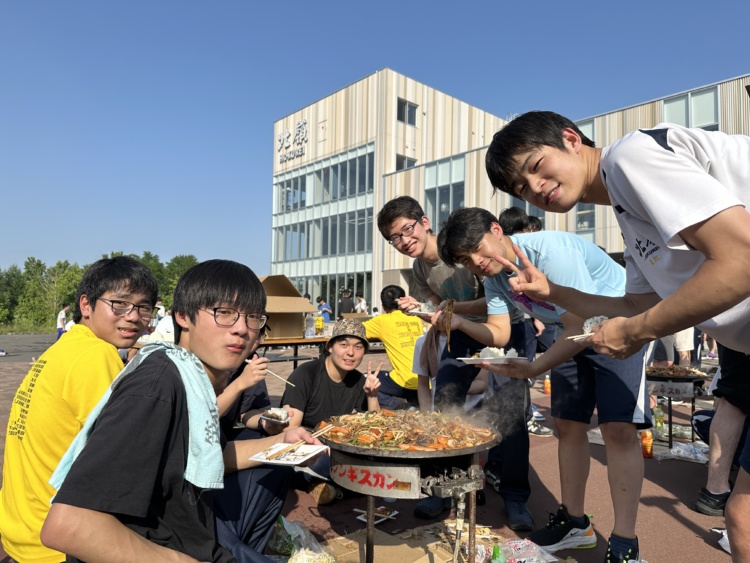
column 398, row 332
column 114, row 303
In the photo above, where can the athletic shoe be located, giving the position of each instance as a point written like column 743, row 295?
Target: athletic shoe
column 632, row 556
column 562, row 533
column 711, row 504
column 519, row 517
column 325, row 493
column 537, row 415
column 538, row 430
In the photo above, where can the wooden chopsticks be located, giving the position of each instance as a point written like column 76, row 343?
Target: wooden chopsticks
column 296, row 445
column 579, row 336
column 389, row 516
column 277, row 376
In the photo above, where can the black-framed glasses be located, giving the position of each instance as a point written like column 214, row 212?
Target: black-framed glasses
column 226, row 317
column 405, row 232
column 122, row 308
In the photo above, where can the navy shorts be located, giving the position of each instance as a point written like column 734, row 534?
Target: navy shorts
column 616, row 388
column 734, row 387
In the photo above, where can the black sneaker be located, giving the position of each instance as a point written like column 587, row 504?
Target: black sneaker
column 711, row 504
column 562, row 533
column 632, row 556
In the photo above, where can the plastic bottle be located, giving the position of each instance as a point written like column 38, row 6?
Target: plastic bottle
column 658, row 418
column 647, row 443
column 497, row 555
column 319, row 324
column 547, row 385
column 309, row 326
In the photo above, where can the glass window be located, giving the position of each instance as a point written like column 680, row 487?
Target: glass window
column 406, row 112
column 440, row 202
column 342, row 234
column 368, row 231
column 325, row 237
column 403, row 162
column 704, row 109
column 361, row 174
column 353, row 177
column 586, row 220
column 676, row 110
column 370, row 172
column 587, row 128
column 351, row 231
column 334, row 235
column 344, row 176
column 302, row 192
column 694, row 109
column 361, row 224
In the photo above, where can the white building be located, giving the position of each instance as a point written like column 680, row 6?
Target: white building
column 338, row 160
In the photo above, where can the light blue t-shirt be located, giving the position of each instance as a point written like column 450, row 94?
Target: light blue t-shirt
column 566, row 259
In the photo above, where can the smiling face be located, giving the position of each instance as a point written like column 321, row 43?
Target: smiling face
column 552, row 179
column 415, row 243
column 220, row 349
column 121, row 331
column 481, row 260
column 346, row 353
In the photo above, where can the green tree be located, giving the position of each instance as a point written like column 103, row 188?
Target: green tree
column 173, row 271
column 11, row 287
column 152, row 262
column 33, row 310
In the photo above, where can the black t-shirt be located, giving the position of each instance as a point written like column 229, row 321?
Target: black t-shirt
column 319, row 397
column 346, row 305
column 256, row 397
column 133, row 464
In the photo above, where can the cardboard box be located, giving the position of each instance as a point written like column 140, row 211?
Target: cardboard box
column 286, row 308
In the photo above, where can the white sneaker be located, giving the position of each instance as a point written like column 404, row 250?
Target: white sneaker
column 537, row 415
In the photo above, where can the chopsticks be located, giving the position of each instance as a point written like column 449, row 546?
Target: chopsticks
column 579, row 336
column 296, row 445
column 277, row 376
column 377, row 515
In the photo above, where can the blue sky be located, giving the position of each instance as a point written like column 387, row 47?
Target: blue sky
column 148, row 125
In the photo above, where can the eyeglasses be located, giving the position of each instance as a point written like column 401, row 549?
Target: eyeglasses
column 405, row 232
column 227, row 317
column 122, row 308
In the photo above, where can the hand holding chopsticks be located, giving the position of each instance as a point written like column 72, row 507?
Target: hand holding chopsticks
column 296, row 445
column 272, row 373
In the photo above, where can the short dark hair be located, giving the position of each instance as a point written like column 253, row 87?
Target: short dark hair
column 535, row 224
column 462, row 232
column 217, row 282
column 402, row 206
column 120, row 273
column 319, row 299
column 513, row 220
column 390, row 295
column 526, row 132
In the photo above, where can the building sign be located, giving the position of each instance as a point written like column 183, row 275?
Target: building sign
column 291, row 148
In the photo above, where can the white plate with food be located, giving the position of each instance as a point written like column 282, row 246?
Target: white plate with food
column 295, row 457
column 276, row 415
column 493, row 355
column 381, row 514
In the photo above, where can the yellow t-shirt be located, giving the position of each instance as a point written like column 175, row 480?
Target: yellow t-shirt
column 48, row 410
column 398, row 332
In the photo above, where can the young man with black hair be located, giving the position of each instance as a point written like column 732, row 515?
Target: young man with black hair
column 403, row 223
column 398, row 332
column 681, row 197
column 137, row 482
column 114, row 303
column 581, row 378
column 331, row 386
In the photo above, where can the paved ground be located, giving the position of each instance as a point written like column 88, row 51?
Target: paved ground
column 669, row 529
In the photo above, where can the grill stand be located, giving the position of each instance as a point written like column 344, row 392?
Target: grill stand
column 411, row 478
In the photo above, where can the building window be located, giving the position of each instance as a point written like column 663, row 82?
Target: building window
column 403, row 162
column 587, row 128
column 530, row 210
column 444, row 189
column 694, row 109
column 406, row 112
column 586, row 220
